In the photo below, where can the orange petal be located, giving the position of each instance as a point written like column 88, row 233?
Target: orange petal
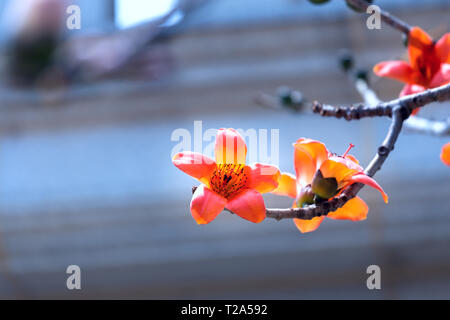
column 442, row 48
column 263, row 177
column 248, row 205
column 442, row 77
column 339, row 169
column 308, row 156
column 352, row 158
column 206, row 205
column 420, row 44
column 355, row 209
column 230, row 147
column 445, row 154
column 398, row 70
column 287, row 185
column 308, row 225
column 365, row 179
column 195, row 164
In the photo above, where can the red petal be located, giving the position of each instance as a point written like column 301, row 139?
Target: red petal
column 206, row 205
column 248, row 205
column 195, row 164
column 442, row 48
column 445, row 154
column 230, row 147
column 442, row 77
column 420, row 46
column 308, row 225
column 355, row 209
column 263, row 177
column 411, row 89
column 398, row 70
column 287, row 186
column 362, row 178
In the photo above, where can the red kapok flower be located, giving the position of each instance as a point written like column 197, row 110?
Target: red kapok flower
column 428, row 67
column 320, row 176
column 445, row 154
column 227, row 182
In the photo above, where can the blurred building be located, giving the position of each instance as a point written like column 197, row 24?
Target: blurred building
column 86, row 176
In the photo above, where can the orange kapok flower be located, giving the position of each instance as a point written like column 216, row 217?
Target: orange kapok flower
column 445, row 154
column 227, row 182
column 428, row 67
column 321, row 176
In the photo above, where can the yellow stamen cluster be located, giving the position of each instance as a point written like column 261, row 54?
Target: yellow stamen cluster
column 228, row 179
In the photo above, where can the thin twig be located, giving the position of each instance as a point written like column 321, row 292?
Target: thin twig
column 390, row 19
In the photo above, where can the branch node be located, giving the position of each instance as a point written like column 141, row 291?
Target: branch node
column 383, row 151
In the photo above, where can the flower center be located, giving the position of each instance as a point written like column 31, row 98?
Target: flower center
column 228, row 179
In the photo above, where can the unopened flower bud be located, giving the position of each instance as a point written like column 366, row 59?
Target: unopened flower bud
column 325, row 188
column 356, row 8
column 306, row 197
column 345, row 61
column 362, row 75
column 319, row 1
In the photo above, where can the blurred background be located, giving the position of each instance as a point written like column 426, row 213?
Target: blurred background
column 86, row 118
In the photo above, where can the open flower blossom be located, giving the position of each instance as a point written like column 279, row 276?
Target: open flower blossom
column 445, row 154
column 227, row 182
column 321, row 176
column 428, row 67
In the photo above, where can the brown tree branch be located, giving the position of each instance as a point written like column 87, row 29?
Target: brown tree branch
column 307, row 213
column 412, row 102
column 399, row 110
column 390, row 19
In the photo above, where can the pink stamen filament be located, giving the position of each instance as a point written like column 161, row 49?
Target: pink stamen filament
column 349, row 148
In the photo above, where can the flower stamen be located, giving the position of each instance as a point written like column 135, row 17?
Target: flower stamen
column 228, row 179
column 348, row 150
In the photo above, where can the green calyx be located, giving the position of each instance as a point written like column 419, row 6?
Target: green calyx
column 305, row 198
column 324, row 188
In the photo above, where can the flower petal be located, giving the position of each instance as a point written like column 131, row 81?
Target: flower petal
column 230, row 147
column 398, row 70
column 248, row 205
column 441, row 77
column 308, row 225
column 263, row 177
column 411, row 89
column 195, row 164
column 445, row 154
column 206, row 205
column 287, row 185
column 420, row 45
column 308, row 156
column 365, row 179
column 442, row 48
column 339, row 168
column 355, row 209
